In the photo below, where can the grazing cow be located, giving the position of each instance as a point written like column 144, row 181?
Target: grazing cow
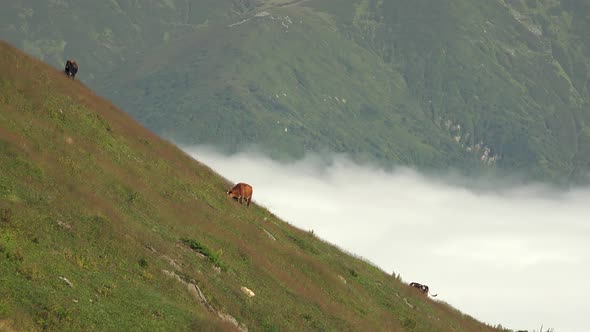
column 71, row 68
column 240, row 192
column 423, row 288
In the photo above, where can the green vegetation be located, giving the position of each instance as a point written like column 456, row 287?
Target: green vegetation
column 481, row 86
column 92, row 207
column 201, row 249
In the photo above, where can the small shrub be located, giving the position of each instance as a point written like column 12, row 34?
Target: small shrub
column 106, row 289
column 408, row 323
column 143, row 263
column 82, row 262
column 158, row 315
column 54, row 318
column 30, row 272
column 146, row 275
column 269, row 325
column 304, row 245
column 4, row 308
column 196, row 246
column 16, row 256
column 132, row 197
column 5, row 215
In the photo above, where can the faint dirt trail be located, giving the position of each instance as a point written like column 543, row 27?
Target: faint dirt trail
column 278, row 5
column 289, row 4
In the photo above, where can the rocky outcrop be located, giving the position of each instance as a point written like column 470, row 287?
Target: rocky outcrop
column 198, row 295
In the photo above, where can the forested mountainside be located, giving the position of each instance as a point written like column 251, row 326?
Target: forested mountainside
column 481, row 86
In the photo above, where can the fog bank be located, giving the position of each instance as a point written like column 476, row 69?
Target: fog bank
column 514, row 255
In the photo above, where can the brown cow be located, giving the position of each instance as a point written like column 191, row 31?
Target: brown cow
column 240, row 192
column 423, row 288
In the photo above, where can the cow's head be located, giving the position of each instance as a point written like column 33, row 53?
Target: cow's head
column 231, row 194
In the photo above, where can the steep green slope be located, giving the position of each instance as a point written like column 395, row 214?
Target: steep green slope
column 476, row 85
column 104, row 226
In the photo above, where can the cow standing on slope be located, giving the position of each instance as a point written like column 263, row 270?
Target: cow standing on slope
column 241, row 191
column 71, row 68
column 423, row 288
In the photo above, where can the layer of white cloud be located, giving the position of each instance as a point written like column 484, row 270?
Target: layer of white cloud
column 514, row 255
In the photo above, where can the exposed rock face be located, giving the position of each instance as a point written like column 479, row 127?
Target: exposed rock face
column 247, row 291
column 196, row 293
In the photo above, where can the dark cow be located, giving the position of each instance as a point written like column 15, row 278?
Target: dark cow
column 240, row 192
column 422, row 288
column 71, row 68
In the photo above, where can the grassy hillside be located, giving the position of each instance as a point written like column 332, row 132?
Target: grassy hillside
column 104, row 226
column 501, row 85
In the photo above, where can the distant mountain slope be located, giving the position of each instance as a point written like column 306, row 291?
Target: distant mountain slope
column 104, row 226
column 501, row 85
column 106, row 36
column 495, row 69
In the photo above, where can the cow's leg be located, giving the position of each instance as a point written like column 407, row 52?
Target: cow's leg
column 248, row 200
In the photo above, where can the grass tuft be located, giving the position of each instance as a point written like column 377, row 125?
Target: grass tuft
column 198, row 247
column 5, row 215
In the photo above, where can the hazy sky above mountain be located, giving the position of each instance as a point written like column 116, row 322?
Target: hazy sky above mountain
column 514, row 255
